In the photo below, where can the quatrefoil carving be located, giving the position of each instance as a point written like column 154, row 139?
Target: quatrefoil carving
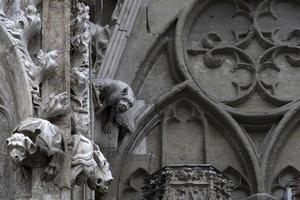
column 236, row 49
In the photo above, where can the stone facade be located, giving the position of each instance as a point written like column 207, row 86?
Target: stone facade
column 149, row 99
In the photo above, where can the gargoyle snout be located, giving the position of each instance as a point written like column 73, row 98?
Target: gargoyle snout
column 15, row 157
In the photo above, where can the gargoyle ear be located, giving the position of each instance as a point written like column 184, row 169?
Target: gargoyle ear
column 4, row 146
column 125, row 91
column 30, row 146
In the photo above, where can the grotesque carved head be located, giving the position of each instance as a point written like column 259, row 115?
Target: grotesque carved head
column 126, row 100
column 115, row 93
column 95, row 182
column 19, row 146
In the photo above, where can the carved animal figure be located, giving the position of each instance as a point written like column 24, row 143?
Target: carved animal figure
column 89, row 165
column 37, row 143
column 19, row 147
column 118, row 97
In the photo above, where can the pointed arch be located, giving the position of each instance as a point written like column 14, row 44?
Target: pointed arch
column 239, row 142
column 164, row 44
column 280, row 136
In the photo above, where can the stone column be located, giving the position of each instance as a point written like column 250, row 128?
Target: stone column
column 56, row 36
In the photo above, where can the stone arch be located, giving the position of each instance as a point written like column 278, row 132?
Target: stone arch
column 281, row 136
column 244, row 152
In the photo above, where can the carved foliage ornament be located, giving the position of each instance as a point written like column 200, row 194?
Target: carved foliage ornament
column 187, row 182
column 21, row 25
column 248, row 48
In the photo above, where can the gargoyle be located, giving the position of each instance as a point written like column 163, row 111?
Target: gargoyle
column 37, row 143
column 118, row 98
column 89, row 165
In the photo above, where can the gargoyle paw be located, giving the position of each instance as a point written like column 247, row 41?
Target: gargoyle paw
column 51, row 171
column 108, row 128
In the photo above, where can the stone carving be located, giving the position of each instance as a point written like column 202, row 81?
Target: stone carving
column 39, row 72
column 80, row 99
column 89, row 165
column 79, row 88
column 117, row 11
column 118, row 98
column 58, row 105
column 46, row 66
column 225, row 51
column 101, row 38
column 187, row 182
column 37, row 143
column 81, row 30
column 85, row 31
column 80, row 71
column 21, row 27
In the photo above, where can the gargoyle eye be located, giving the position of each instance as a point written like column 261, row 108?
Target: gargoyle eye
column 21, row 148
column 125, row 92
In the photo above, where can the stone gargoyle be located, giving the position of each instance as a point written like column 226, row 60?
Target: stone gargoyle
column 37, row 143
column 118, row 98
column 89, row 166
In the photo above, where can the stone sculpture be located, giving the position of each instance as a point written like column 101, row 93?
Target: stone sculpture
column 89, row 165
column 57, row 105
column 100, row 37
column 118, row 98
column 37, row 143
column 188, row 182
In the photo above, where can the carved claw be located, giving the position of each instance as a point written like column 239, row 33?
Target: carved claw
column 108, row 128
column 51, row 171
column 53, row 167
